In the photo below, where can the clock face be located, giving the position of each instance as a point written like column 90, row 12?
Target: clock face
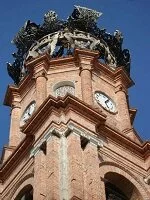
column 105, row 101
column 28, row 113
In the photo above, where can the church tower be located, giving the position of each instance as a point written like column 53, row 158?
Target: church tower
column 71, row 130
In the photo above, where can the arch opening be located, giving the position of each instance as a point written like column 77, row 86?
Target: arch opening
column 117, row 187
column 26, row 193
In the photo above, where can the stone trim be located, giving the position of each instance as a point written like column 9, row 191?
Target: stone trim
column 47, row 137
column 71, row 129
column 63, row 162
column 80, row 132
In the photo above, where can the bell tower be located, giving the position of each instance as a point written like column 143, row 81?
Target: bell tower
column 71, row 129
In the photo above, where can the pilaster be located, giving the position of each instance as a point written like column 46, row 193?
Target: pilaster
column 41, row 87
column 38, row 68
column 75, row 167
column 92, row 182
column 14, row 136
column 86, row 60
column 39, row 176
column 53, row 168
column 123, row 109
column 122, row 83
column 13, row 99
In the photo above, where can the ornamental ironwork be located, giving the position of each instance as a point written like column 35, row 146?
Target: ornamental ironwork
column 60, row 38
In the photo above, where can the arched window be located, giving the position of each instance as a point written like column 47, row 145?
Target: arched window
column 64, row 87
column 26, row 193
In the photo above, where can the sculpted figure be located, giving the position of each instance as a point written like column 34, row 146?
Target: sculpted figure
column 26, row 36
column 110, row 60
column 125, row 60
column 52, row 23
column 53, row 43
column 82, row 44
column 14, row 72
column 23, row 41
column 83, row 19
column 118, row 36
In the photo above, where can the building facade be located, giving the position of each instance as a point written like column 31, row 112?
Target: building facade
column 71, row 131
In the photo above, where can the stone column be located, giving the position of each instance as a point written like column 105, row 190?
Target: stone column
column 86, row 60
column 75, row 167
column 52, row 168
column 39, row 191
column 123, row 110
column 92, row 182
column 14, row 135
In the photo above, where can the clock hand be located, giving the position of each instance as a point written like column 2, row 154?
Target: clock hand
column 29, row 114
column 29, row 111
column 107, row 102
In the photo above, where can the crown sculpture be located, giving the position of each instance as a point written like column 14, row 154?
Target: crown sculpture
column 59, row 38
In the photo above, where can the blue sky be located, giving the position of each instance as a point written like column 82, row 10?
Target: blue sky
column 131, row 17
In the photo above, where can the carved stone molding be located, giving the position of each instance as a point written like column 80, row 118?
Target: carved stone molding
column 71, row 129
column 147, row 179
column 80, row 132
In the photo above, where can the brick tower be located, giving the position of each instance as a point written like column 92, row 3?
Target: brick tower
column 71, row 131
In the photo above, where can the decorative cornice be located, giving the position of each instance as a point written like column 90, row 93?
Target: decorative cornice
column 13, row 90
column 88, row 56
column 12, row 95
column 142, row 150
column 95, row 140
column 132, row 112
column 45, row 59
column 103, row 67
column 6, row 148
column 10, row 164
column 45, row 138
column 53, row 131
column 71, row 129
column 73, row 103
column 122, row 79
column 118, row 75
column 62, row 60
column 68, row 102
